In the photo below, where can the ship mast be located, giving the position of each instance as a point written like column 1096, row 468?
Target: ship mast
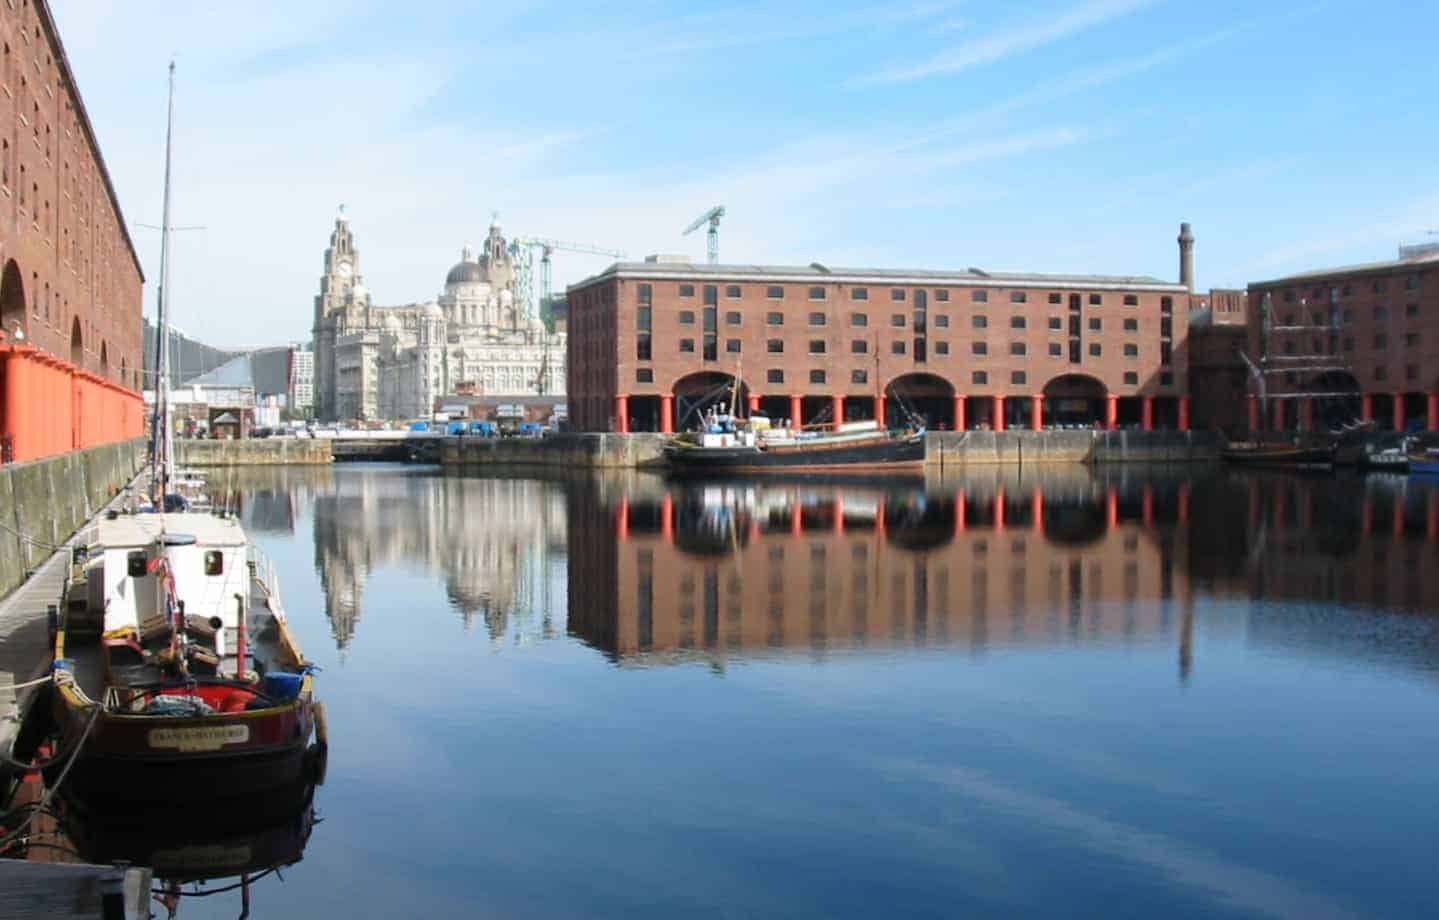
column 165, row 440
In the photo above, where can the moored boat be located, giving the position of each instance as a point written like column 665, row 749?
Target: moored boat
column 176, row 675
column 1423, row 461
column 1311, row 457
column 753, row 445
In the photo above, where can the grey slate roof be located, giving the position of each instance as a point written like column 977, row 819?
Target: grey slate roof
column 817, row 272
column 1362, row 268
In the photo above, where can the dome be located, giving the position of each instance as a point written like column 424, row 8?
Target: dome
column 433, row 311
column 392, row 323
column 465, row 273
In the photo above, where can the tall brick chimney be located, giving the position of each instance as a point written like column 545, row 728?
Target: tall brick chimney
column 1186, row 256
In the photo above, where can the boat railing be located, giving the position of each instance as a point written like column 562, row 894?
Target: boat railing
column 268, row 579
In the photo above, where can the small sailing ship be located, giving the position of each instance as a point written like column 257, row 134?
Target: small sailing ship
column 725, row 442
column 176, row 677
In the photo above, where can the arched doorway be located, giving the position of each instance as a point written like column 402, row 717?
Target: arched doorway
column 1074, row 401
column 926, row 399
column 696, row 393
column 77, row 344
column 12, row 302
column 1336, row 400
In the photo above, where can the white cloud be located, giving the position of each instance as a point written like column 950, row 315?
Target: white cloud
column 1006, row 43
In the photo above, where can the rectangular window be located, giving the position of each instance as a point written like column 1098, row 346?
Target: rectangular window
column 1381, row 313
column 644, row 375
column 897, row 320
column 1056, row 323
column 732, row 318
column 1411, row 372
column 816, row 376
column 921, row 352
column 1166, row 326
column 859, row 319
column 979, row 296
column 1411, row 284
column 941, row 296
column 1018, row 348
column 711, row 352
column 816, row 319
column 687, row 290
column 859, row 347
column 711, row 319
column 1016, row 322
column 774, row 346
column 1289, row 319
column 687, row 317
column 711, row 295
column 1346, row 291
column 774, row 319
column 1411, row 310
column 645, row 293
column 774, row 292
column 1380, row 286
column 1017, row 377
column 1381, row 373
column 859, row 293
column 941, row 348
column 1131, row 378
column 774, row 376
column 1056, row 350
column 1348, row 316
column 1055, row 297
column 979, row 377
column 1166, row 379
column 979, row 348
column 1131, row 325
column 687, row 346
column 1074, row 353
column 896, row 294
column 897, row 348
column 642, row 319
column 1131, row 350
column 732, row 346
column 732, row 291
column 1411, row 339
column 979, row 322
column 941, row 321
column 1381, row 341
column 1094, row 350
column 1288, row 296
column 816, row 346
column 817, row 293
column 1096, row 300
column 1096, row 324
column 642, row 346
column 1348, row 344
column 1131, row 300
column 1166, row 352
column 1018, row 297
column 859, row 376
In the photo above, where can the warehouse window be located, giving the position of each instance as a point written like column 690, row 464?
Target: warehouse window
column 774, row 376
column 732, row 291
column 896, row 294
column 859, row 319
column 816, row 346
column 774, row 319
column 979, row 296
column 979, row 348
column 816, row 319
column 1131, row 300
column 1018, row 297
column 1056, row 350
column 1054, row 297
column 1131, row 325
column 687, row 317
column 859, row 376
column 687, row 346
column 1094, row 350
column 941, row 348
column 897, row 319
column 1016, row 322
column 732, row 346
column 1096, row 300
column 1131, row 378
column 645, row 293
column 941, row 321
column 1131, row 351
column 1017, row 377
column 816, row 376
column 775, row 346
column 774, row 292
column 644, row 375
column 859, row 347
column 979, row 377
column 1096, row 324
column 896, row 348
column 1018, row 348
column 1381, row 313
column 941, row 295
column 687, row 290
column 1056, row 323
column 979, row 322
column 642, row 318
column 732, row 317
column 859, row 293
column 642, row 346
column 817, row 293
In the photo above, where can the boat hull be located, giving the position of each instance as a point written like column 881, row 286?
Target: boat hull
column 166, row 761
column 1303, row 458
column 1423, row 466
column 876, row 455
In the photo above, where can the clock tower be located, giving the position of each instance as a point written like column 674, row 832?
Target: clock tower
column 340, row 307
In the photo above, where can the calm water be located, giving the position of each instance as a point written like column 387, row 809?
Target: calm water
column 1124, row 694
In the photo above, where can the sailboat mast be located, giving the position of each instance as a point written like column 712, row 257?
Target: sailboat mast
column 165, row 443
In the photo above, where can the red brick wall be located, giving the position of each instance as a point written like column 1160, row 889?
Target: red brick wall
column 603, row 358
column 68, row 271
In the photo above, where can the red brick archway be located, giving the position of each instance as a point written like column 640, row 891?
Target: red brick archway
column 13, row 316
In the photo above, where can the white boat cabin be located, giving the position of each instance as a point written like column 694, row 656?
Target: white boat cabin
column 208, row 558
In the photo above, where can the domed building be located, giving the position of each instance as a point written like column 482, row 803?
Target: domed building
column 477, row 337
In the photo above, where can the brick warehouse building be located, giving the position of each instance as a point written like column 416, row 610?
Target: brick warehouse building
column 653, row 342
column 1363, row 339
column 71, row 361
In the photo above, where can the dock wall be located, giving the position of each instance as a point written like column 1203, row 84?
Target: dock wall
column 48, row 500
column 253, row 452
column 968, row 448
column 574, row 450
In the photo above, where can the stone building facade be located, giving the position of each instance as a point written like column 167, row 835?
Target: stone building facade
column 397, row 362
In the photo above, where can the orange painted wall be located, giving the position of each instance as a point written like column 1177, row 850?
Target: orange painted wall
column 49, row 406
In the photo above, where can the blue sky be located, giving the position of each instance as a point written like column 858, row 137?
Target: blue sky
column 1047, row 135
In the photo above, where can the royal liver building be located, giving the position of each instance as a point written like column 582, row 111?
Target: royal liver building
column 396, row 362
